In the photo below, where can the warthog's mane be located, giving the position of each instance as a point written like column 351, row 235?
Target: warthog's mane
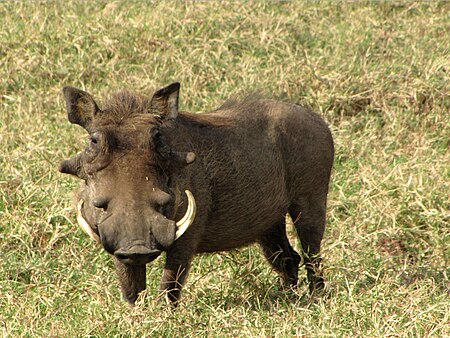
column 124, row 107
column 241, row 102
column 222, row 116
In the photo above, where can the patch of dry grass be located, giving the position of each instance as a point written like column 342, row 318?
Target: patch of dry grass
column 378, row 72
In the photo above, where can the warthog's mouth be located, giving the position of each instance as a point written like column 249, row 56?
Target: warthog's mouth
column 137, row 255
column 182, row 225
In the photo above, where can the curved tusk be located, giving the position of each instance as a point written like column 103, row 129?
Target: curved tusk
column 84, row 224
column 184, row 223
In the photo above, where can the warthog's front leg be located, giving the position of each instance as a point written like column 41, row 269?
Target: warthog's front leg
column 131, row 279
column 175, row 273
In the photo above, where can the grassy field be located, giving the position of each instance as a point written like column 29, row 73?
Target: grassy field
column 378, row 72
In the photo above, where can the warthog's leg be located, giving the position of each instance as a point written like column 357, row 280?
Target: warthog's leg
column 309, row 220
column 280, row 254
column 175, row 272
column 131, row 279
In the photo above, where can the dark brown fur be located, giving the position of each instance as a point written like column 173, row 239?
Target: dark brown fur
column 256, row 160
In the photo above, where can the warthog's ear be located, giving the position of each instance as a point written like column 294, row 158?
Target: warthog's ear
column 81, row 107
column 165, row 101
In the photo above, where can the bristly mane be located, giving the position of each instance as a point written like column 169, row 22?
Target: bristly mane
column 219, row 117
column 124, row 105
column 240, row 101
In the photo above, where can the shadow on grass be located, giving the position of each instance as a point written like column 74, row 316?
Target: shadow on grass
column 255, row 294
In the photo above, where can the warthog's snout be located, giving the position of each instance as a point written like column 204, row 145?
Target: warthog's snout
column 137, row 254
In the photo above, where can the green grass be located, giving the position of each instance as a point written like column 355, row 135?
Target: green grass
column 378, row 72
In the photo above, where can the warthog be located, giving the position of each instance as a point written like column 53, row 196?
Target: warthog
column 156, row 179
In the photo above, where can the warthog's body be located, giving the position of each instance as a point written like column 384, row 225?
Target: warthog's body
column 254, row 161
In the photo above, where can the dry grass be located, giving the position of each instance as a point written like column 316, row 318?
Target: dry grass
column 378, row 72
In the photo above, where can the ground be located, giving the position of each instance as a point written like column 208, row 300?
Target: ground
column 378, row 72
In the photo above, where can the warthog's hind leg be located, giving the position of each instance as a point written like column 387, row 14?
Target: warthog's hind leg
column 280, row 254
column 309, row 220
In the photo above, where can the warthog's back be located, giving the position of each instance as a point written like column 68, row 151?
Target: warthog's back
column 270, row 154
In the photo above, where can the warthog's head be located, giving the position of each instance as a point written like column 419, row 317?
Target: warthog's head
column 125, row 201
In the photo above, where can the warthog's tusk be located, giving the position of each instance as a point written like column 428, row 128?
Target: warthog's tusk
column 84, row 224
column 184, row 223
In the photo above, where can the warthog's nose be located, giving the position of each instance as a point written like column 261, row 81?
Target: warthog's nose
column 137, row 254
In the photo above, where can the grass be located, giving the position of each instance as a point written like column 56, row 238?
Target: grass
column 378, row 72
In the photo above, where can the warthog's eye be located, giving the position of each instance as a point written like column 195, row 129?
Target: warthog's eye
column 96, row 150
column 96, row 155
column 94, row 139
